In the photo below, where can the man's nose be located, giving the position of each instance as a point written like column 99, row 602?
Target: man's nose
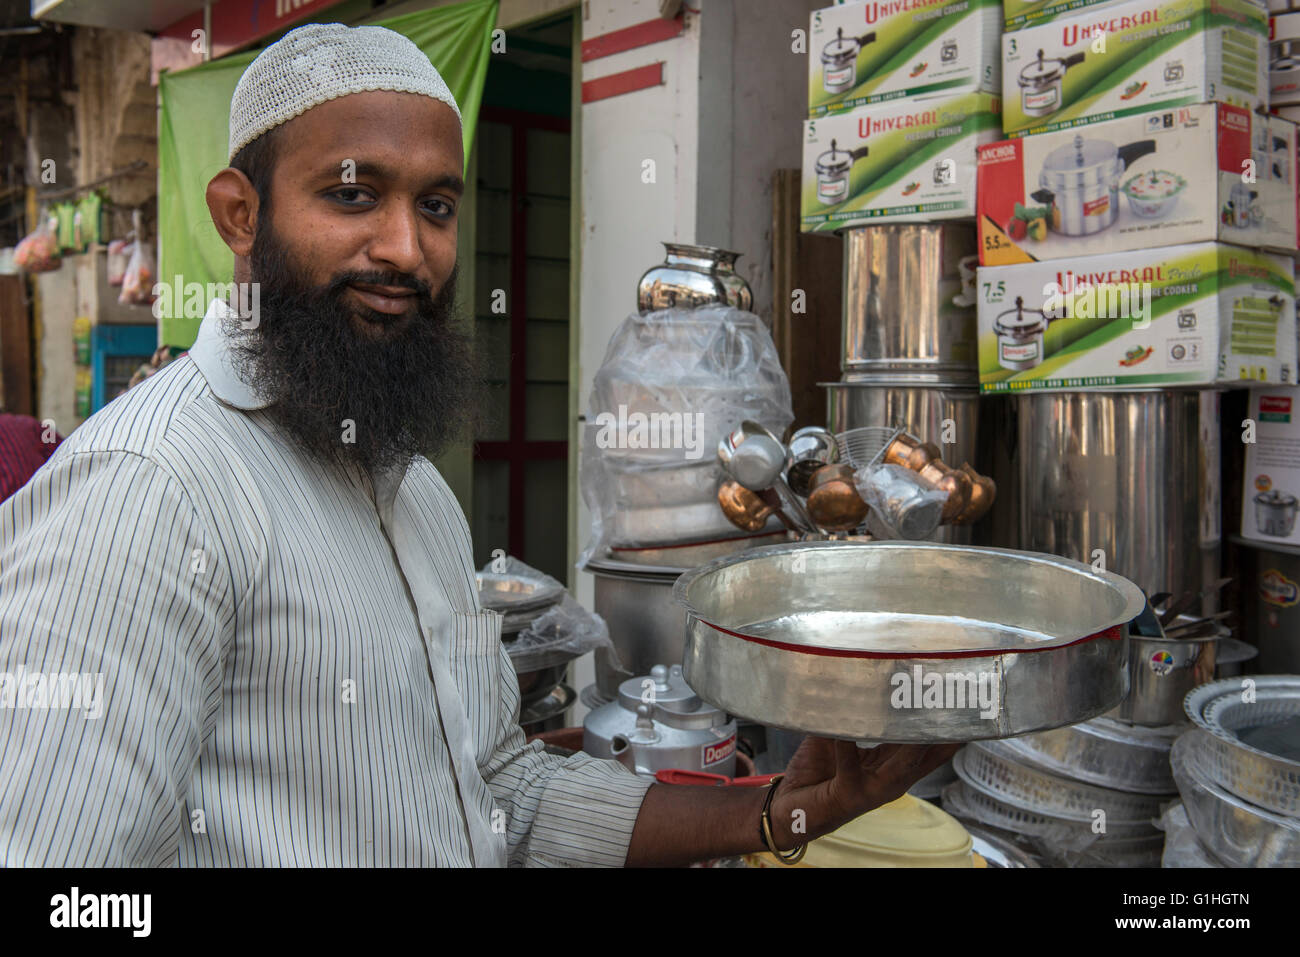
column 396, row 243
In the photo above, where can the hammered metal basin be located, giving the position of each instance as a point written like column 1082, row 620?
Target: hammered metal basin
column 906, row 641
column 1232, row 712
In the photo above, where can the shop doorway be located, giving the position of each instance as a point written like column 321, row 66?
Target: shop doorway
column 522, row 271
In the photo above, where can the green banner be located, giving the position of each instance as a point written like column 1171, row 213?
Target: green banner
column 193, row 139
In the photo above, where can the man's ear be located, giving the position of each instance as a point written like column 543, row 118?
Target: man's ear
column 232, row 201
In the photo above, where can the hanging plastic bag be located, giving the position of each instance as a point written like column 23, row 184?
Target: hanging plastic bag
column 119, row 254
column 66, row 216
column 39, row 250
column 89, row 220
column 137, row 281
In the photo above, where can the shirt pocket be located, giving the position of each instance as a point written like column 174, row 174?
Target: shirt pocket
column 476, row 669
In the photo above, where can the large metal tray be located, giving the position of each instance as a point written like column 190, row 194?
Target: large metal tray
column 1056, row 840
column 1107, row 753
column 1233, row 830
column 1263, row 778
column 831, row 638
column 993, row 767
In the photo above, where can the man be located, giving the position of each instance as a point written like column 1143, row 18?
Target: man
column 254, row 552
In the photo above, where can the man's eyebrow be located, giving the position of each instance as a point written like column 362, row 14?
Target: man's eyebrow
column 384, row 172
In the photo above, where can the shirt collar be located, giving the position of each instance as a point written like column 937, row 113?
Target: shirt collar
column 212, row 352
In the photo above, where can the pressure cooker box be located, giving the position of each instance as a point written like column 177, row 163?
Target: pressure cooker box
column 861, row 53
column 1271, row 488
column 1132, row 58
column 909, row 160
column 1017, row 14
column 1190, row 315
column 1139, row 182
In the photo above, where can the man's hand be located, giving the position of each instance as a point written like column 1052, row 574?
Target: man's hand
column 832, row 782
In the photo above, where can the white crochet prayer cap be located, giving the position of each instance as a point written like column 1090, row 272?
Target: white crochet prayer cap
column 323, row 61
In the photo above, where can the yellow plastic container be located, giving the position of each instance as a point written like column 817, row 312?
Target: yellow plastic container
column 908, row 832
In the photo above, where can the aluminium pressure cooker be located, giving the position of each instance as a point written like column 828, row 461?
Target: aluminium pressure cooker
column 1080, row 181
column 1275, row 513
column 1020, row 336
column 658, row 723
column 833, row 168
column 840, row 61
column 1040, row 83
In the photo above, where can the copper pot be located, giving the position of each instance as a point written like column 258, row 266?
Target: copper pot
column 750, row 510
column 955, row 483
column 983, row 493
column 743, row 508
column 911, row 453
column 833, row 501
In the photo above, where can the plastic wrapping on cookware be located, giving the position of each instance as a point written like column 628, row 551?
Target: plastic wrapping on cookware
column 672, row 383
column 1182, row 847
column 565, row 630
column 904, row 504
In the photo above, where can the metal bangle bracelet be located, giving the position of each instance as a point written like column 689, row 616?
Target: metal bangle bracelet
column 790, row 857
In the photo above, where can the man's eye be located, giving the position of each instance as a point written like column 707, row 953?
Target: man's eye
column 350, row 196
column 440, row 208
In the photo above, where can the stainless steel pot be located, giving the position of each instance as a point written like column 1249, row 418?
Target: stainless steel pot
column 926, row 405
column 1161, row 672
column 833, row 168
column 1040, row 83
column 840, row 61
column 693, row 276
column 902, row 287
column 1130, row 478
column 1275, row 513
column 1081, row 182
column 646, row 626
column 1020, row 334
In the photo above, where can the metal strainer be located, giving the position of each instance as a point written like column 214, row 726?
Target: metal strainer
column 866, row 445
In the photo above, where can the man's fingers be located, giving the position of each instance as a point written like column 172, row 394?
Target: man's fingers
column 909, row 765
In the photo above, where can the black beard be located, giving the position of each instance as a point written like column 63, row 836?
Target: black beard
column 348, row 399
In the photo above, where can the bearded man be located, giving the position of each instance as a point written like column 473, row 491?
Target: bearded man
column 253, row 550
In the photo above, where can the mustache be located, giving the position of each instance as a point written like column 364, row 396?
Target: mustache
column 394, row 280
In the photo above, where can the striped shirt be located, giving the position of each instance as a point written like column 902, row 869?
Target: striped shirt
column 295, row 667
column 23, row 449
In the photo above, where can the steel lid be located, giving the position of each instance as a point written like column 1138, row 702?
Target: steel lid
column 1080, row 163
column 1276, row 498
column 1020, row 322
column 834, row 161
column 674, row 703
column 841, row 48
column 1042, row 71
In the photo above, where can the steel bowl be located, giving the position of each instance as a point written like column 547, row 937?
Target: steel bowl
column 1233, row 830
column 841, row 639
column 1227, row 755
column 1163, row 670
